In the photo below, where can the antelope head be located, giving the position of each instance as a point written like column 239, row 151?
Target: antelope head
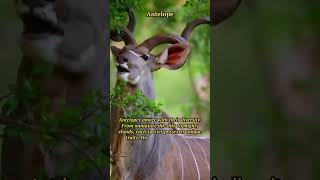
column 65, row 33
column 135, row 62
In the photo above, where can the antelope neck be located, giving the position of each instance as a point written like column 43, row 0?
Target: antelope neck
column 142, row 156
column 145, row 85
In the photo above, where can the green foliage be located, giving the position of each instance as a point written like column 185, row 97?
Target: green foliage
column 168, row 84
column 84, row 126
column 138, row 104
column 118, row 12
column 27, row 95
column 10, row 106
column 197, row 8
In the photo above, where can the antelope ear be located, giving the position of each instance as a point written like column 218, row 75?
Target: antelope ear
column 174, row 56
column 115, row 51
column 222, row 9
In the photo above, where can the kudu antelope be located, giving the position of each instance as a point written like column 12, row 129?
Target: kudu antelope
column 69, row 36
column 161, row 156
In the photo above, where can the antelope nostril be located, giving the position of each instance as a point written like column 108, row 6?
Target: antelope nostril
column 125, row 60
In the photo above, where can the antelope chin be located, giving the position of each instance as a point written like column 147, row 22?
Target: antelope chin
column 42, row 33
column 41, row 47
column 124, row 76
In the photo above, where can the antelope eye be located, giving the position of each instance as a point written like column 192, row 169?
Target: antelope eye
column 145, row 57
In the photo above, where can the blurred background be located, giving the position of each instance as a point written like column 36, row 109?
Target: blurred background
column 266, row 95
column 10, row 54
column 183, row 92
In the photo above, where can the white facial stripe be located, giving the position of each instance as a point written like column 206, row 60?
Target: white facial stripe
column 124, row 66
column 47, row 13
column 52, row 13
column 134, row 53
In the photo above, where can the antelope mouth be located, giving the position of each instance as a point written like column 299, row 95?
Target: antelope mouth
column 124, row 74
column 40, row 21
column 34, row 25
column 122, row 69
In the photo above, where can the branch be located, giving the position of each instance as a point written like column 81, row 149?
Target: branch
column 57, row 134
column 40, row 130
column 88, row 156
column 3, row 97
column 13, row 122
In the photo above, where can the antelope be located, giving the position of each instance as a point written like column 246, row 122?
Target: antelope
column 160, row 156
column 69, row 36
column 173, row 157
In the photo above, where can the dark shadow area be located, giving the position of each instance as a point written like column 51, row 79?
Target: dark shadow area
column 266, row 95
